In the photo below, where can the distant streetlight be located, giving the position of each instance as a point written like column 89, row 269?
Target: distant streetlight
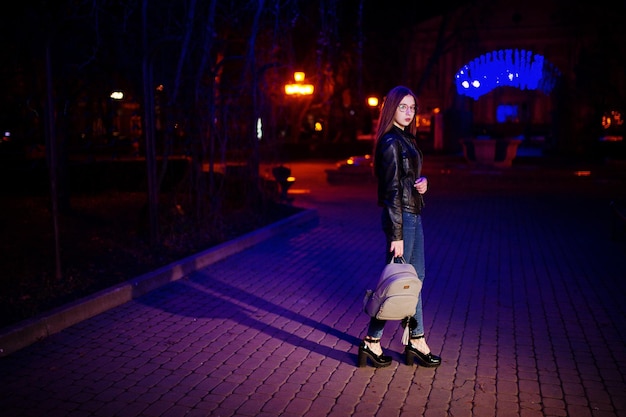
column 299, row 88
column 117, row 95
column 372, row 102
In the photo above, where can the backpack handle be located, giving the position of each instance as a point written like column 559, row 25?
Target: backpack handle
column 400, row 258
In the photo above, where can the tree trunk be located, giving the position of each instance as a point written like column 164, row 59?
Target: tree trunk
column 148, row 91
column 51, row 147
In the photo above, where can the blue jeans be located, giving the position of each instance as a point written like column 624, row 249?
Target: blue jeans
column 413, row 237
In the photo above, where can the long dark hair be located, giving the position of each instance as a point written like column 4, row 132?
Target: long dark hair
column 388, row 111
column 387, row 114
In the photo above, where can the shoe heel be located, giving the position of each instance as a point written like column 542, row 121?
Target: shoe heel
column 409, row 358
column 362, row 359
column 427, row 360
column 378, row 361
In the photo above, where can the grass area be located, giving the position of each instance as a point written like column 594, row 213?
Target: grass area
column 102, row 242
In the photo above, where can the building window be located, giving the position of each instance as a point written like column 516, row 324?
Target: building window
column 507, row 113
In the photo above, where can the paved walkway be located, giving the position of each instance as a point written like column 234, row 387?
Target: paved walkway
column 524, row 301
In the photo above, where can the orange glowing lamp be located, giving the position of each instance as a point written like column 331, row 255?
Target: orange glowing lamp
column 299, row 88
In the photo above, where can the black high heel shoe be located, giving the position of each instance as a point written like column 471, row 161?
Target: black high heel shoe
column 379, row 361
column 427, row 360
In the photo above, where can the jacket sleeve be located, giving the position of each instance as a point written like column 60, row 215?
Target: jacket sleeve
column 389, row 187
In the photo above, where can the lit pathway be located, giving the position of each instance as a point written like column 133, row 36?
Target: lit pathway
column 524, row 300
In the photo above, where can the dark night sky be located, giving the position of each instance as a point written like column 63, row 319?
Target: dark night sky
column 383, row 21
column 391, row 14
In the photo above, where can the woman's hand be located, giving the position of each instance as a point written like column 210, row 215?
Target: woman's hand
column 397, row 247
column 421, row 185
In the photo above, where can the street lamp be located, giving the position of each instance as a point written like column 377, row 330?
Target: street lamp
column 372, row 102
column 299, row 88
column 116, row 96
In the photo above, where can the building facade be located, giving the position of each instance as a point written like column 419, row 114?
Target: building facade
column 548, row 72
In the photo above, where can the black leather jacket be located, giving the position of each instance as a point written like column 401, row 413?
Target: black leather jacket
column 398, row 163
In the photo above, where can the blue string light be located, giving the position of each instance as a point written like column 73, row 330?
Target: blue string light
column 506, row 68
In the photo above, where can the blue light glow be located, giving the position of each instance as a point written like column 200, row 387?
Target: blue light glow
column 507, row 67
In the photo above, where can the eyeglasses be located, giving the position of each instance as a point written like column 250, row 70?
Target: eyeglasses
column 404, row 107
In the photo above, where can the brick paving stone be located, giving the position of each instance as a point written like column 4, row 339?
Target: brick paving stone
column 519, row 294
column 578, row 411
column 507, row 409
column 320, row 407
column 459, row 411
column 298, row 406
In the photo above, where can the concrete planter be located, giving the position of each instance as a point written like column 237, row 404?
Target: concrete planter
column 493, row 152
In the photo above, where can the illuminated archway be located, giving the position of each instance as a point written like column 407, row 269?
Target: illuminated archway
column 506, row 67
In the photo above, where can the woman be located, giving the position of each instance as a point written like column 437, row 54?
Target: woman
column 398, row 165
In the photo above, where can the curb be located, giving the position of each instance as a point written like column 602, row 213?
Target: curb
column 33, row 330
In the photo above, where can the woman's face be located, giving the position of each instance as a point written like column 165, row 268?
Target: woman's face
column 405, row 112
